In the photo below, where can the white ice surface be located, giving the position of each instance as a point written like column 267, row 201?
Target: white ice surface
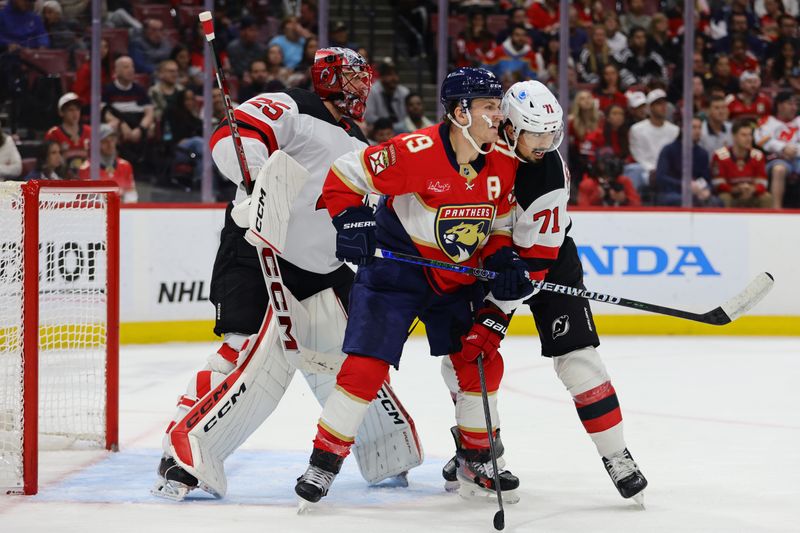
column 713, row 423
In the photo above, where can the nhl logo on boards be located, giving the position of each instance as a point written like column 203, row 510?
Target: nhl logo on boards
column 382, row 159
column 460, row 229
column 560, row 326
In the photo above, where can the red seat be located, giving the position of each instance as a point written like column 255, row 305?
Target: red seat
column 154, row 11
column 455, row 24
column 47, row 61
column 67, row 81
column 117, row 41
column 496, row 23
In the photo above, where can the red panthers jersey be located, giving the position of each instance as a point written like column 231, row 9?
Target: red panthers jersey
column 760, row 107
column 443, row 210
column 727, row 170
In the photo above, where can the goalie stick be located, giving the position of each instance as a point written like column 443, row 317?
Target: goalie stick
column 719, row 316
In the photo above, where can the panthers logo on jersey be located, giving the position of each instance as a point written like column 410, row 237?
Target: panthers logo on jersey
column 461, row 229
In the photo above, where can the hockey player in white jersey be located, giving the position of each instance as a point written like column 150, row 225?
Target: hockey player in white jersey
column 314, row 128
column 533, row 131
column 779, row 136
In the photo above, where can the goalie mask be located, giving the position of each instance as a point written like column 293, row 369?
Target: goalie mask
column 535, row 116
column 344, row 78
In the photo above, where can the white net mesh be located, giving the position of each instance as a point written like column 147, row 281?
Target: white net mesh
column 72, row 322
column 11, row 235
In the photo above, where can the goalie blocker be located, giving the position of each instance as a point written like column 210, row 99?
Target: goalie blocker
column 244, row 382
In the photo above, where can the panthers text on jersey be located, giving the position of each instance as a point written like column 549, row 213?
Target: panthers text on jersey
column 298, row 123
column 434, row 206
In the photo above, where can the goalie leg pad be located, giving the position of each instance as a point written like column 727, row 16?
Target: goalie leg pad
column 386, row 443
column 585, row 377
column 228, row 414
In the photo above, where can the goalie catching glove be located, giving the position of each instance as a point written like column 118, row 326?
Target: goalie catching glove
column 484, row 337
column 355, row 235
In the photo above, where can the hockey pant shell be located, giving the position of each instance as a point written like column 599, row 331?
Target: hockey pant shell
column 386, row 298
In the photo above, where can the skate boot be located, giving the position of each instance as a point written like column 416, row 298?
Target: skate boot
column 449, row 474
column 625, row 474
column 315, row 482
column 173, row 483
column 475, row 475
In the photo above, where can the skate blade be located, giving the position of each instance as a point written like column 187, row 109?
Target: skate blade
column 304, row 507
column 451, row 486
column 474, row 492
column 639, row 499
column 170, row 490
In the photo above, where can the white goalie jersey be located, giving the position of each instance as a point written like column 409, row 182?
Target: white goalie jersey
column 298, row 123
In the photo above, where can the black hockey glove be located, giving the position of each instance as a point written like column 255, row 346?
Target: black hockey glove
column 512, row 281
column 355, row 235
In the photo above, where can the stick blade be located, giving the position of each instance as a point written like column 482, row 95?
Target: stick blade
column 499, row 521
column 749, row 297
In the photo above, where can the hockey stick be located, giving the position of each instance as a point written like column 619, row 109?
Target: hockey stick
column 267, row 252
column 499, row 517
column 719, row 316
column 208, row 29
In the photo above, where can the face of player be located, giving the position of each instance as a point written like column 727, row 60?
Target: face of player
column 533, row 146
column 486, row 118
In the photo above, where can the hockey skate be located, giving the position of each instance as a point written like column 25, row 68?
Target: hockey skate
column 173, row 483
column 470, row 473
column 627, row 477
column 315, row 482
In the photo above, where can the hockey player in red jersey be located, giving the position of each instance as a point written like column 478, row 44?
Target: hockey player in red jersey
column 447, row 197
column 533, row 131
column 314, row 128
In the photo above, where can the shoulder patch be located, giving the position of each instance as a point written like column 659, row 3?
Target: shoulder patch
column 382, row 159
column 758, row 155
column 722, row 153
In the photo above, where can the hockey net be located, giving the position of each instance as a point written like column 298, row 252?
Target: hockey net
column 58, row 323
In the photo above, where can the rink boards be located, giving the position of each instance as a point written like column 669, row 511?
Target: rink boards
column 689, row 260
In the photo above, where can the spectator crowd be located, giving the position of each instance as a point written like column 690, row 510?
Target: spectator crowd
column 625, row 72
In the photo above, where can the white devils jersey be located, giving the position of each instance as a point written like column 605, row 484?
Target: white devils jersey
column 298, row 123
column 773, row 135
column 541, row 221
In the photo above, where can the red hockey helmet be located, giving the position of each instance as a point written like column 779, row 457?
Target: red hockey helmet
column 343, row 77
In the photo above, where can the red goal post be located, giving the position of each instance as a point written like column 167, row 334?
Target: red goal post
column 59, row 322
